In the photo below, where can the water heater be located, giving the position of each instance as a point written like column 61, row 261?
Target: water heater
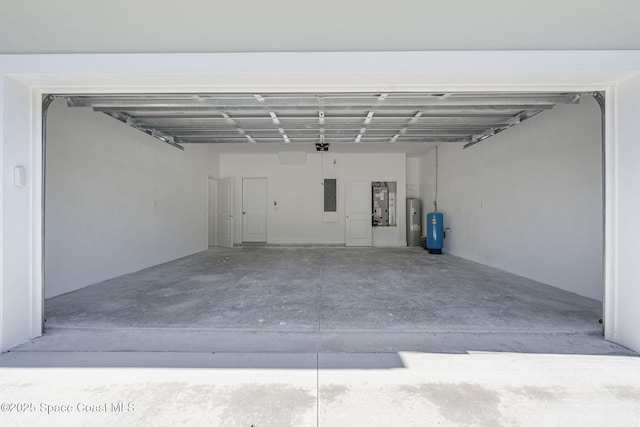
column 414, row 215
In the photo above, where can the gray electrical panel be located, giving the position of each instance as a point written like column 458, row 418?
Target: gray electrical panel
column 384, row 203
column 330, row 195
column 414, row 222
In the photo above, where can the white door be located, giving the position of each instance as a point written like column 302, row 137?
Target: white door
column 225, row 212
column 254, row 209
column 358, row 213
column 213, row 212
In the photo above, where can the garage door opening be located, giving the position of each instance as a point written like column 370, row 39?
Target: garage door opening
column 126, row 220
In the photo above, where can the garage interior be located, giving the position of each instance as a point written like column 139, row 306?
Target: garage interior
column 140, row 255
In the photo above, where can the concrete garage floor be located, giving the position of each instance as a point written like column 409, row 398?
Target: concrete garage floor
column 266, row 298
column 277, row 336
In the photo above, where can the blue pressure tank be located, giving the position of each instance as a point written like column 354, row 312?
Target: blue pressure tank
column 435, row 232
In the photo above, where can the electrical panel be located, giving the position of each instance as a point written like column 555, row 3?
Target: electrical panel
column 330, row 186
column 384, row 203
column 330, row 195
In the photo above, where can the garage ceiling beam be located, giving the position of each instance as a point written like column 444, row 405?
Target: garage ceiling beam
column 338, row 140
column 427, row 131
column 185, row 116
column 309, row 118
column 297, row 101
column 130, row 121
column 462, row 108
column 516, row 120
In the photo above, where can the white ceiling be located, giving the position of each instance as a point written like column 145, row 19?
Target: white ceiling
column 147, row 26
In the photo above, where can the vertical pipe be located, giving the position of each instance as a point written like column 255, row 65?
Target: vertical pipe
column 435, row 200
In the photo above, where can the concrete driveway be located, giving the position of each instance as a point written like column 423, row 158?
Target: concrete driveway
column 44, row 388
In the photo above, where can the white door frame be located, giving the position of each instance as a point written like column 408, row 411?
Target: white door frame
column 250, row 214
column 25, row 78
column 358, row 218
column 225, row 212
column 212, row 211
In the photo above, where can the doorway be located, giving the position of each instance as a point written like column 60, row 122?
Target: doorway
column 225, row 212
column 254, row 210
column 213, row 212
column 358, row 214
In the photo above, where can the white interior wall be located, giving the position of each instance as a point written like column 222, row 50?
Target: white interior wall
column 427, row 176
column 414, row 189
column 377, row 167
column 529, row 200
column 298, row 191
column 413, row 177
column 117, row 200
